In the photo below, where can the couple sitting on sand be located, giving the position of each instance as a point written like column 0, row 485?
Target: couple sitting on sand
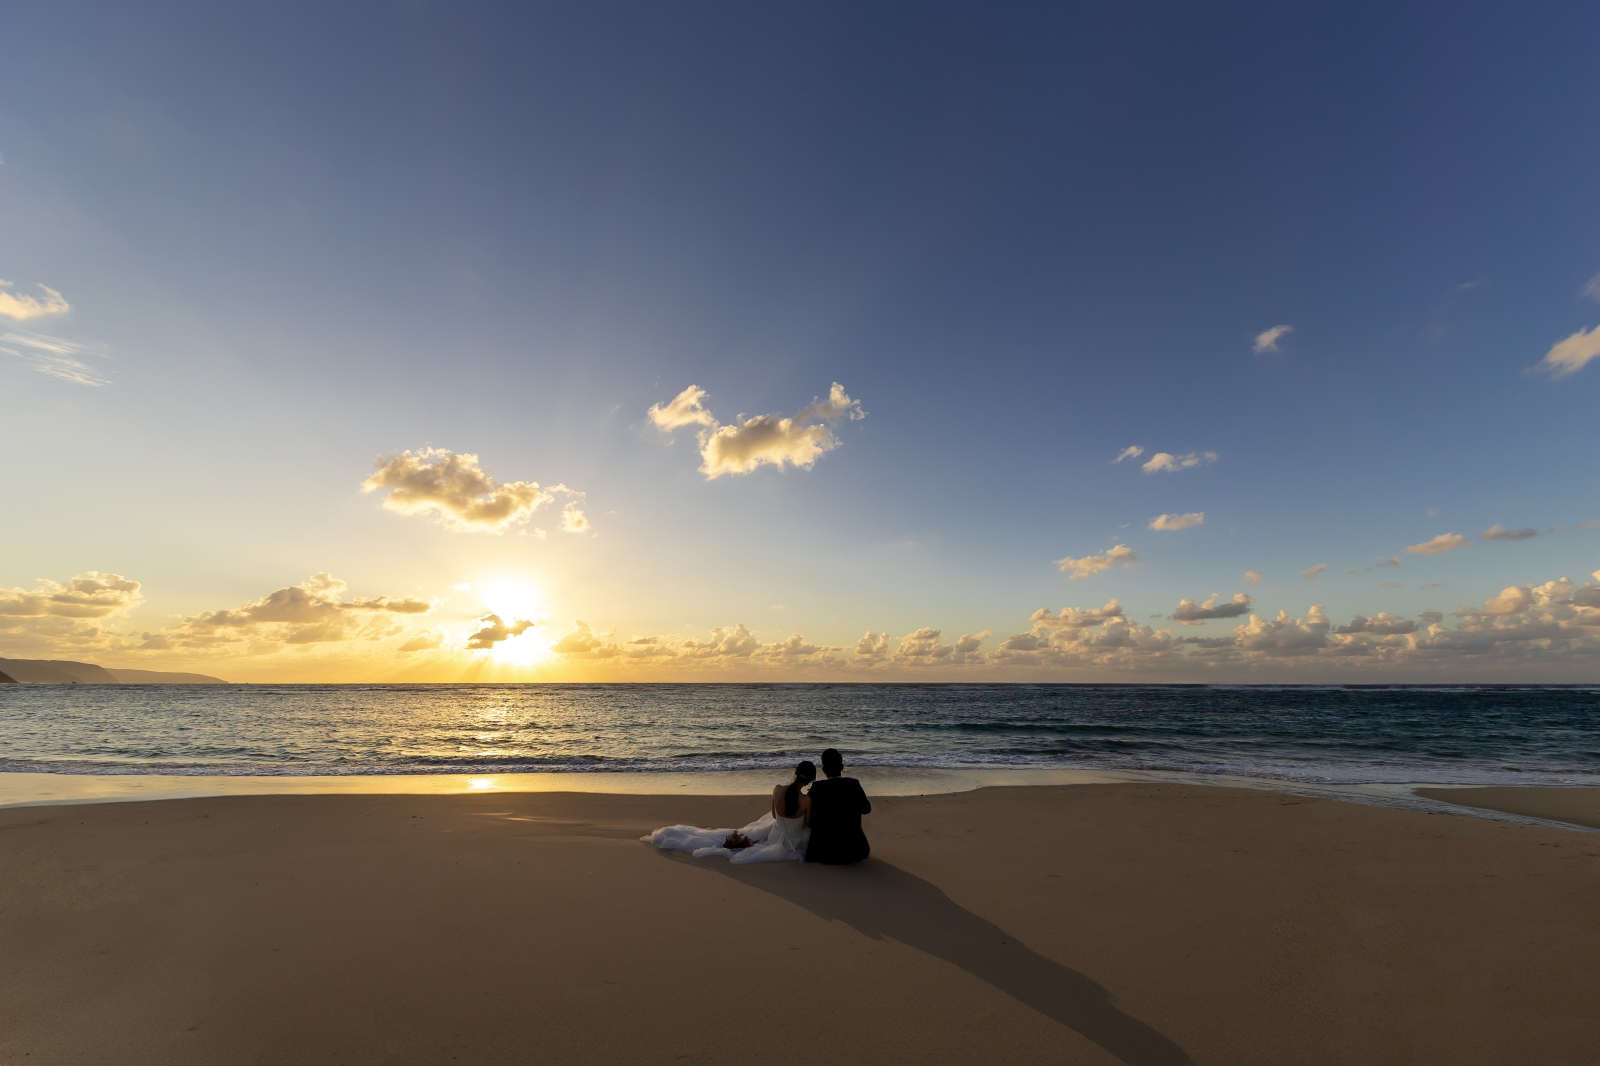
column 810, row 820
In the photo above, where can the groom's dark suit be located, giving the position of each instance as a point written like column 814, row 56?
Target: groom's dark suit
column 837, row 804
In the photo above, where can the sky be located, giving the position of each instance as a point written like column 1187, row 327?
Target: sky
column 608, row 342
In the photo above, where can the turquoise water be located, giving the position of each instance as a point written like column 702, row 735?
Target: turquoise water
column 1347, row 734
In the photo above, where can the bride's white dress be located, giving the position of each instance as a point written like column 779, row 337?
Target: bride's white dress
column 772, row 839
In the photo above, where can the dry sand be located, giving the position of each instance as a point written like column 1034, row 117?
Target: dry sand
column 1575, row 806
column 1142, row 923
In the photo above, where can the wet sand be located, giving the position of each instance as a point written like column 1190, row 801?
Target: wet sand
column 1094, row 923
column 1575, row 806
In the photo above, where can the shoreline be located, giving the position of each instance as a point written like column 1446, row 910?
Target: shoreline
column 1551, row 806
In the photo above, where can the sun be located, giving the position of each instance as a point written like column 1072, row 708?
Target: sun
column 515, row 602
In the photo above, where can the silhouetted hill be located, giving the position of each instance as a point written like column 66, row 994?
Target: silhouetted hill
column 65, row 672
column 7, row 679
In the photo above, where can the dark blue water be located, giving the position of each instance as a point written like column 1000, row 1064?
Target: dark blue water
column 1502, row 734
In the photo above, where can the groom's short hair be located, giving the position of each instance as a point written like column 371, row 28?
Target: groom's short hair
column 832, row 762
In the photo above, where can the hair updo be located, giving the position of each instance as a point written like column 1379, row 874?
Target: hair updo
column 804, row 774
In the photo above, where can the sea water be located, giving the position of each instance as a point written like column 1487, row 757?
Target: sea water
column 1477, row 734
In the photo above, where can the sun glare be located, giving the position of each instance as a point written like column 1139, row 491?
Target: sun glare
column 514, row 602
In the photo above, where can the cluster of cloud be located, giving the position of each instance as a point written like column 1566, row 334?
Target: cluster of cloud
column 455, row 488
column 65, row 613
column 736, row 647
column 1190, row 613
column 1090, row 565
column 1178, row 521
column 1167, row 461
column 748, row 443
column 56, row 356
column 1558, row 621
column 23, row 307
column 312, row 612
column 1267, row 339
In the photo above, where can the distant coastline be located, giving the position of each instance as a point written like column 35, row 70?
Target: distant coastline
column 66, row 672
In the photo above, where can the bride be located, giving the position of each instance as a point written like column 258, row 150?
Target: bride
column 779, row 835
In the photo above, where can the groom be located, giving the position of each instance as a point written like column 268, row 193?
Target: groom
column 837, row 804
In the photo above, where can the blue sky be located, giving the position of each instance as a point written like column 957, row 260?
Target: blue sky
column 1022, row 240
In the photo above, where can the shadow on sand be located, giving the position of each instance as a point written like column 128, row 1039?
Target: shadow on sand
column 883, row 901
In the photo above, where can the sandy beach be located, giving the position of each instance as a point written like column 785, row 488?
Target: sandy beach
column 1097, row 923
column 1575, row 806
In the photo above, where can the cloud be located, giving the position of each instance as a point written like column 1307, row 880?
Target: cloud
column 1383, row 625
column 23, row 308
column 1131, row 452
column 56, row 356
column 872, row 646
column 1169, row 462
column 748, row 443
column 1267, row 339
column 312, row 612
column 684, row 410
column 1075, row 617
column 1090, row 565
column 1444, row 542
column 573, row 520
column 1284, row 636
column 1178, row 521
column 422, row 642
column 90, row 595
column 1499, row 532
column 1570, row 355
column 1313, row 572
column 456, row 488
column 1252, row 577
column 65, row 615
column 495, row 630
column 1591, row 289
column 1191, row 613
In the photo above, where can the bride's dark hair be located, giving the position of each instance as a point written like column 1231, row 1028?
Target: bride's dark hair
column 804, row 774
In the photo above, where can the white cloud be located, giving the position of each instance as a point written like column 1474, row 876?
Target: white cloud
column 312, row 612
column 1444, row 542
column 685, row 409
column 1499, row 532
column 23, row 308
column 1090, row 565
column 56, row 356
column 1284, row 636
column 1385, row 624
column 90, row 595
column 872, row 646
column 1075, row 617
column 1191, row 613
column 1130, row 452
column 1169, row 462
column 1570, row 355
column 57, row 616
column 1178, row 521
column 1591, row 289
column 748, row 443
column 456, row 488
column 1311, row 573
column 574, row 520
column 1267, row 339
column 726, row 642
column 1251, row 577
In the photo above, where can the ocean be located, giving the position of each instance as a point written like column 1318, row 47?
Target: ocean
column 1469, row 734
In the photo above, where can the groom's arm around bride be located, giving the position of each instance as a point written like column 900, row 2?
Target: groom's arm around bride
column 837, row 804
